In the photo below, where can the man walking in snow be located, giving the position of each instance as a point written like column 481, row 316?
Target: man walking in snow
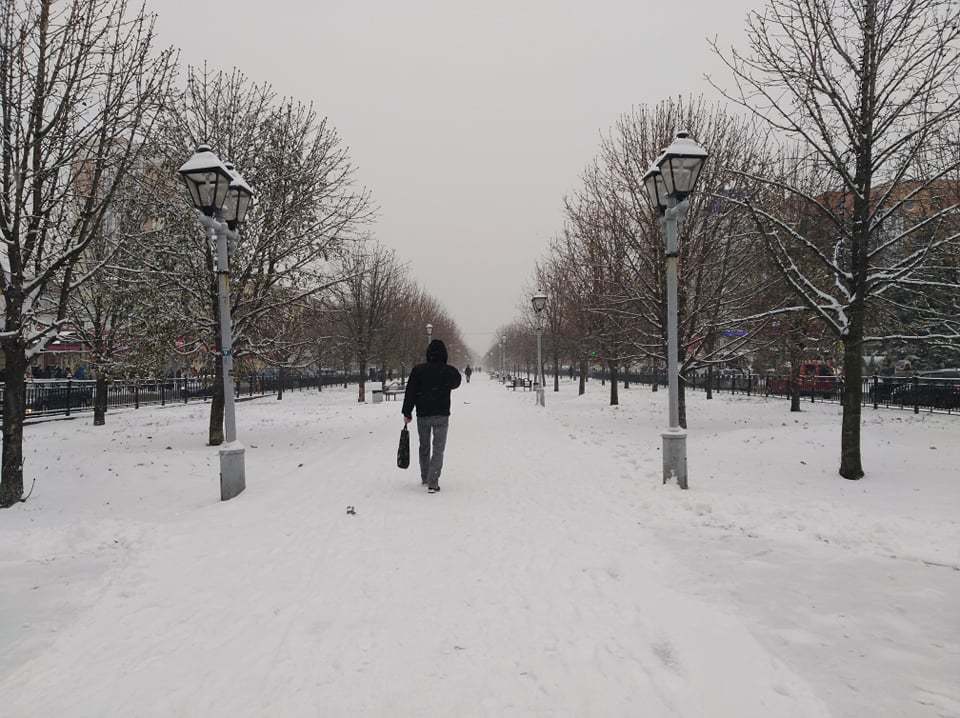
column 467, row 372
column 428, row 389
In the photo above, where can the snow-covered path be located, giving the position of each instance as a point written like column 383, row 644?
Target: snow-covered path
column 551, row 576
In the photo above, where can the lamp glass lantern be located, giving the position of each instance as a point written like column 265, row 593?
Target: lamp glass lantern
column 680, row 164
column 539, row 302
column 207, row 180
column 429, row 329
column 656, row 188
column 239, row 198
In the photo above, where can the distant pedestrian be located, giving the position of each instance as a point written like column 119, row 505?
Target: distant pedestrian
column 467, row 372
column 428, row 389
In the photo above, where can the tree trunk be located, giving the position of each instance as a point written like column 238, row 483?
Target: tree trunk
column 682, row 402
column 280, row 378
column 710, row 381
column 362, row 387
column 795, row 385
column 319, row 369
column 851, row 464
column 583, row 379
column 100, row 400
column 14, row 410
column 216, row 404
column 556, row 373
column 614, row 384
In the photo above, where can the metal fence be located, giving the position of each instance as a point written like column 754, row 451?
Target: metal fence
column 916, row 393
column 65, row 397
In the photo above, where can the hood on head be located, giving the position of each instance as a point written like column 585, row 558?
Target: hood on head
column 437, row 352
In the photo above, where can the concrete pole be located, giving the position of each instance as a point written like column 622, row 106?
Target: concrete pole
column 232, row 471
column 541, row 401
column 675, row 438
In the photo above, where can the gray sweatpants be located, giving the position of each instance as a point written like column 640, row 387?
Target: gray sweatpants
column 431, row 466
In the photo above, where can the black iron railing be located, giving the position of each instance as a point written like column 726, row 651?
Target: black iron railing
column 52, row 397
column 916, row 393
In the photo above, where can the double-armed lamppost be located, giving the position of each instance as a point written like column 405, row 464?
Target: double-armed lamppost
column 539, row 302
column 669, row 182
column 221, row 197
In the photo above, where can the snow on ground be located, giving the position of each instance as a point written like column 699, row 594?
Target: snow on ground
column 553, row 575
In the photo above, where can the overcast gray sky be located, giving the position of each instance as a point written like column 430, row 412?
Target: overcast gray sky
column 468, row 121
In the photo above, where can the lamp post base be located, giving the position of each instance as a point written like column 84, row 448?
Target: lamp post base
column 541, row 400
column 233, row 478
column 675, row 456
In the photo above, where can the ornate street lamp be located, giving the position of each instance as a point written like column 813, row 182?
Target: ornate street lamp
column 680, row 164
column 656, row 189
column 239, row 199
column 539, row 302
column 669, row 183
column 207, row 180
column 429, row 333
column 222, row 197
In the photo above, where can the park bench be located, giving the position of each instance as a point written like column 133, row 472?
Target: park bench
column 392, row 391
column 525, row 384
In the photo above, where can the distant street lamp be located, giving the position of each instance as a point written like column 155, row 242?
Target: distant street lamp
column 539, row 302
column 429, row 333
column 669, row 183
column 222, row 198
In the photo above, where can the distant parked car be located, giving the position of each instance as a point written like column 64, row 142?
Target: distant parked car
column 936, row 395
column 940, row 374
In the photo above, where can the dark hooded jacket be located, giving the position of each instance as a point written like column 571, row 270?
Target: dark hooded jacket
column 430, row 384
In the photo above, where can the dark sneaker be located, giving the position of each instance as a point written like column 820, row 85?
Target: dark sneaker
column 433, row 489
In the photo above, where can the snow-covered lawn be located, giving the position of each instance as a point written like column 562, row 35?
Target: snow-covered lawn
column 553, row 575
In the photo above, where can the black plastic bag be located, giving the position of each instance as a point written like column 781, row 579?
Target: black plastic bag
column 403, row 452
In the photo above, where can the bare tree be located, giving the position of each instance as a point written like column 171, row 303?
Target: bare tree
column 614, row 240
column 866, row 88
column 307, row 210
column 365, row 300
column 579, row 302
column 550, row 277
column 120, row 313
column 81, row 89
